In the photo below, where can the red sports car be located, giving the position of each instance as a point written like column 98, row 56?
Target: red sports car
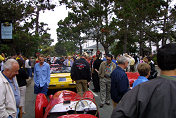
column 66, row 104
column 132, row 76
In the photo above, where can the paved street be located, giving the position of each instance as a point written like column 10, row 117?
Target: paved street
column 30, row 101
column 106, row 111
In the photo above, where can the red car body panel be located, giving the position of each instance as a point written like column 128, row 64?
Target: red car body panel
column 40, row 103
column 59, row 98
column 132, row 76
column 78, row 116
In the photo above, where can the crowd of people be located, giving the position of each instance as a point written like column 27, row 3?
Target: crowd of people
column 154, row 98
column 147, row 97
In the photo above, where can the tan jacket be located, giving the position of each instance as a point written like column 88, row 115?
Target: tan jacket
column 101, row 72
column 7, row 99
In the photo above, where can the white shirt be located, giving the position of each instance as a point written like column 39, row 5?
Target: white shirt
column 27, row 64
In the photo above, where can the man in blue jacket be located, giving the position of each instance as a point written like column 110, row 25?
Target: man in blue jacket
column 41, row 76
column 119, row 81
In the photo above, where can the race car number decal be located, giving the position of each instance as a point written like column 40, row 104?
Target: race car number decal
column 62, row 79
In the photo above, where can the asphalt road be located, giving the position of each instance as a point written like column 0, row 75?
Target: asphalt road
column 106, row 111
column 30, row 101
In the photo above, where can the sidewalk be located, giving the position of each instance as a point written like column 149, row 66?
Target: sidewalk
column 30, row 100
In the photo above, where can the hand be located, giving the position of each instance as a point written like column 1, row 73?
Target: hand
column 96, row 70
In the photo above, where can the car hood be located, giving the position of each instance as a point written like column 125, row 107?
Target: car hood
column 60, row 75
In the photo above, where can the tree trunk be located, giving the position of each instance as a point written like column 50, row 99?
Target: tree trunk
column 141, row 42
column 157, row 45
column 150, row 45
column 97, row 43
column 106, row 34
column 106, row 49
column 80, row 48
column 125, row 38
column 164, row 26
column 37, row 21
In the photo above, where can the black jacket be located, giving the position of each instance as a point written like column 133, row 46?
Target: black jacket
column 21, row 77
column 81, row 70
column 153, row 72
column 97, row 63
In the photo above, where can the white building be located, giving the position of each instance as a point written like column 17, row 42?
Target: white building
column 91, row 50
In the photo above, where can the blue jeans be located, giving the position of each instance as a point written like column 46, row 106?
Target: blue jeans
column 18, row 111
column 29, row 71
column 38, row 89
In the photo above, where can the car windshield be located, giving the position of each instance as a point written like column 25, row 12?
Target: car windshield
column 56, row 68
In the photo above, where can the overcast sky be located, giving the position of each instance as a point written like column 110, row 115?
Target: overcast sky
column 52, row 18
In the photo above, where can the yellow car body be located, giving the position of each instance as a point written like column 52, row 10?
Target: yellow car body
column 61, row 81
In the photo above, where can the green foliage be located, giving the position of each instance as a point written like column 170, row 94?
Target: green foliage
column 88, row 17
column 14, row 10
column 22, row 14
column 48, row 50
column 155, row 59
column 117, row 48
column 25, row 43
column 70, row 30
column 60, row 49
column 130, row 21
column 65, row 48
column 4, row 48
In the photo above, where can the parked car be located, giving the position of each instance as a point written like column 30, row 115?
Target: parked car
column 60, row 77
column 66, row 104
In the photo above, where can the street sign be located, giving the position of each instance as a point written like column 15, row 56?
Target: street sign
column 6, row 31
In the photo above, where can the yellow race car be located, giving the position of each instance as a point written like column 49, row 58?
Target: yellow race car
column 60, row 77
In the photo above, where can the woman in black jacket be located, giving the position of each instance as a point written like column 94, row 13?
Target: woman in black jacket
column 153, row 72
column 21, row 79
